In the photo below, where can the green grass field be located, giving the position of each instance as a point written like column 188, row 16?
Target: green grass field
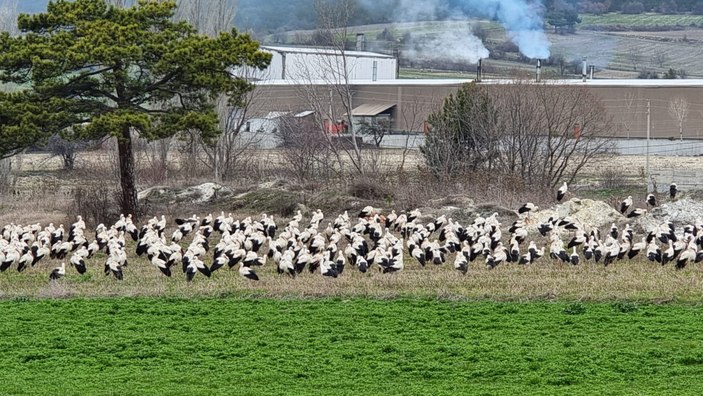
column 338, row 347
column 641, row 20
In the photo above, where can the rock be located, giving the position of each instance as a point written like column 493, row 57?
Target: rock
column 454, row 201
column 278, row 183
column 505, row 215
column 587, row 213
column 155, row 190
column 202, row 193
column 681, row 212
column 206, row 192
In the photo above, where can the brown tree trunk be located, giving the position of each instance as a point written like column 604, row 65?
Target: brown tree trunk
column 129, row 188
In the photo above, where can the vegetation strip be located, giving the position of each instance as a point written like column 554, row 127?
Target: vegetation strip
column 337, row 347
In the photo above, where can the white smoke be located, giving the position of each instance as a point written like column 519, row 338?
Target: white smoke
column 456, row 45
column 522, row 19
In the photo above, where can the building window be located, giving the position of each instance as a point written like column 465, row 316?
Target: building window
column 375, row 71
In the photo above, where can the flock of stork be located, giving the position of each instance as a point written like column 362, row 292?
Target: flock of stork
column 372, row 240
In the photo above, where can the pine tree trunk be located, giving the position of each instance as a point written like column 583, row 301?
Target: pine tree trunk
column 129, row 188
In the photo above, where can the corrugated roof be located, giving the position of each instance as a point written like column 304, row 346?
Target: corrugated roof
column 272, row 115
column 371, row 109
column 324, row 51
column 304, row 114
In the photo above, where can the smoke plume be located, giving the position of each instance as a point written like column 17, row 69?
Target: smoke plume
column 522, row 19
column 457, row 44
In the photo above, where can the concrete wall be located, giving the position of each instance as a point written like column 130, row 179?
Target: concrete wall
column 414, row 101
column 628, row 107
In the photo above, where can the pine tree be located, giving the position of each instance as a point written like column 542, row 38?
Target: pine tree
column 91, row 70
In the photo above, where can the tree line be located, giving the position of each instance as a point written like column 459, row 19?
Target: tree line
column 541, row 134
column 271, row 16
column 283, row 15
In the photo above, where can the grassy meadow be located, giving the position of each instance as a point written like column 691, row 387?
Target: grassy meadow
column 636, row 280
column 337, row 347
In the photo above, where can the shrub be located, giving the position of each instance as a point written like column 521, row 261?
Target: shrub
column 647, row 74
column 97, row 203
column 370, row 189
column 624, row 307
column 633, row 7
column 575, row 309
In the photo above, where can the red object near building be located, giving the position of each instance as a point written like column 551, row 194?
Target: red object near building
column 335, row 128
column 577, row 131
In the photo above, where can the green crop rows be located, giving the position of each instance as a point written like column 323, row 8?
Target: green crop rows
column 354, row 347
column 641, row 19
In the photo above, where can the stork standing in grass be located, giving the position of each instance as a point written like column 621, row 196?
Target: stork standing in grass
column 247, row 272
column 561, row 192
column 58, row 272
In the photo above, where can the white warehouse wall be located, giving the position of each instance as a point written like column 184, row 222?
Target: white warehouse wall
column 310, row 64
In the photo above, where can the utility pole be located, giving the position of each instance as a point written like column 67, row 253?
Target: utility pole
column 649, row 130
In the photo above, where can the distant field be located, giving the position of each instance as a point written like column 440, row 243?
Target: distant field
column 641, row 20
column 347, row 347
column 671, row 35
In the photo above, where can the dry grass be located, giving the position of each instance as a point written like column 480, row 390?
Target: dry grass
column 637, row 280
column 34, row 208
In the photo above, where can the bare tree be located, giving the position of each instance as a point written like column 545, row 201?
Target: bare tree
column 573, row 135
column 660, row 58
column 233, row 147
column 307, row 156
column 634, row 56
column 376, row 128
column 414, row 117
column 539, row 132
column 210, row 17
column 156, row 155
column 6, row 178
column 8, row 17
column 630, row 115
column 334, row 17
column 66, row 149
column 8, row 23
column 678, row 110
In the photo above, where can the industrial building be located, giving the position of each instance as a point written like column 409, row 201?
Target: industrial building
column 301, row 64
column 408, row 102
